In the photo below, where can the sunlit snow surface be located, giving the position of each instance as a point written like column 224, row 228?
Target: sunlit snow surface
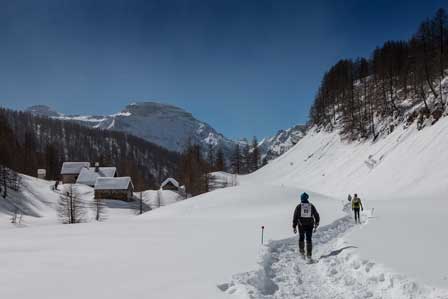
column 210, row 246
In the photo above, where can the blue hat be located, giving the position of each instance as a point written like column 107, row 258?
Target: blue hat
column 304, row 197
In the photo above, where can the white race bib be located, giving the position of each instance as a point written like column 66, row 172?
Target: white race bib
column 305, row 210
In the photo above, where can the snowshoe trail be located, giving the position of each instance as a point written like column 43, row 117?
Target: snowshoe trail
column 337, row 272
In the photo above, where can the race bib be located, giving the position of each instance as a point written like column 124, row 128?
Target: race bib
column 305, row 210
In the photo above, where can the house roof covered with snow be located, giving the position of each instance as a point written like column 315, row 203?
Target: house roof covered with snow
column 73, row 167
column 120, row 183
column 88, row 176
column 170, row 180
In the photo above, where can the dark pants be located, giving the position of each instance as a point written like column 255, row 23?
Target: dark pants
column 357, row 219
column 306, row 232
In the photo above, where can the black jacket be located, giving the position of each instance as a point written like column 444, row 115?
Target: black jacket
column 308, row 221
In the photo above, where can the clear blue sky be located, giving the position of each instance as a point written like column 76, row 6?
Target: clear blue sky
column 247, row 67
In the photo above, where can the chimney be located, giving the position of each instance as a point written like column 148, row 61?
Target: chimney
column 97, row 166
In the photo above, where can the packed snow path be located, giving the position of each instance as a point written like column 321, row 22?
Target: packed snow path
column 336, row 273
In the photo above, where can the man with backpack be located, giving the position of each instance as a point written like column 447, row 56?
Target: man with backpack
column 306, row 218
column 356, row 205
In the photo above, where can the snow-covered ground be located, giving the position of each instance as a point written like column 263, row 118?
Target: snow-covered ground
column 209, row 246
column 403, row 177
column 159, row 198
column 181, row 251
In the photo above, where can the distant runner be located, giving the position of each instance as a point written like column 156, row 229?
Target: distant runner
column 356, row 205
column 306, row 218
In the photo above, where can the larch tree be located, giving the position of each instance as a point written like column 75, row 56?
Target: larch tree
column 71, row 208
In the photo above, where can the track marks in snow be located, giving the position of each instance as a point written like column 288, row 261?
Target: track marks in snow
column 339, row 273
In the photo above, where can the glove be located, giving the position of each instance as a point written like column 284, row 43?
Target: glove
column 315, row 227
column 362, row 209
column 295, row 230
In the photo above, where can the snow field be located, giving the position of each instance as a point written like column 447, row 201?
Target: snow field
column 181, row 251
column 338, row 273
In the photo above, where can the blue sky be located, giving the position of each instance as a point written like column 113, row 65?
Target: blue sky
column 246, row 67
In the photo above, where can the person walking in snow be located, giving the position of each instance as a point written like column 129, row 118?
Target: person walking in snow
column 349, row 198
column 306, row 218
column 356, row 205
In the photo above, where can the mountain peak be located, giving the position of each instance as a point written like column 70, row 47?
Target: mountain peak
column 151, row 108
column 42, row 110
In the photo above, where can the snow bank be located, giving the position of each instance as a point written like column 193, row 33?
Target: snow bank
column 407, row 163
column 159, row 198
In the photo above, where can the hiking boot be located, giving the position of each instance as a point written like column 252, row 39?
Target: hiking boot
column 302, row 247
column 309, row 250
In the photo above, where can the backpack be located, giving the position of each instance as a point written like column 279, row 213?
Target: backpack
column 305, row 210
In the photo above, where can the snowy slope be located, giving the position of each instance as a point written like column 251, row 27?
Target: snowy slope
column 406, row 163
column 403, row 177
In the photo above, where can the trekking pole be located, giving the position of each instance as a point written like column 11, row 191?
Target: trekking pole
column 262, row 234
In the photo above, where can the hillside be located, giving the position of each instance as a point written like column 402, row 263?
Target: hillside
column 209, row 246
column 406, row 163
column 401, row 81
column 30, row 142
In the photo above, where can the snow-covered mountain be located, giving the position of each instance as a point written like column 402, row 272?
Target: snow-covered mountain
column 166, row 125
column 281, row 142
column 172, row 128
column 43, row 110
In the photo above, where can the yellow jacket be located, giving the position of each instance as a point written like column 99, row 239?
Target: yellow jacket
column 356, row 203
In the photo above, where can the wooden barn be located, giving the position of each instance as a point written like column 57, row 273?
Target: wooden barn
column 71, row 170
column 120, row 188
column 170, row 184
column 88, row 176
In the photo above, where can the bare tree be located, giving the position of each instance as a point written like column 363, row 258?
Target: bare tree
column 17, row 217
column 9, row 179
column 100, row 209
column 71, row 208
column 159, row 198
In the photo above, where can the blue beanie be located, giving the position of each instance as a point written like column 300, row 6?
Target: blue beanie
column 304, row 197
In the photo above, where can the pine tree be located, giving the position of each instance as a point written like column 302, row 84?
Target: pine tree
column 194, row 170
column 100, row 209
column 236, row 160
column 254, row 155
column 220, row 162
column 245, row 158
column 52, row 160
column 211, row 159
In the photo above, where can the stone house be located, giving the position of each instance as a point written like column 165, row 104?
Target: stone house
column 71, row 170
column 120, row 188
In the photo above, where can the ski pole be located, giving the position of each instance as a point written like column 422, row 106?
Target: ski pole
column 262, row 233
